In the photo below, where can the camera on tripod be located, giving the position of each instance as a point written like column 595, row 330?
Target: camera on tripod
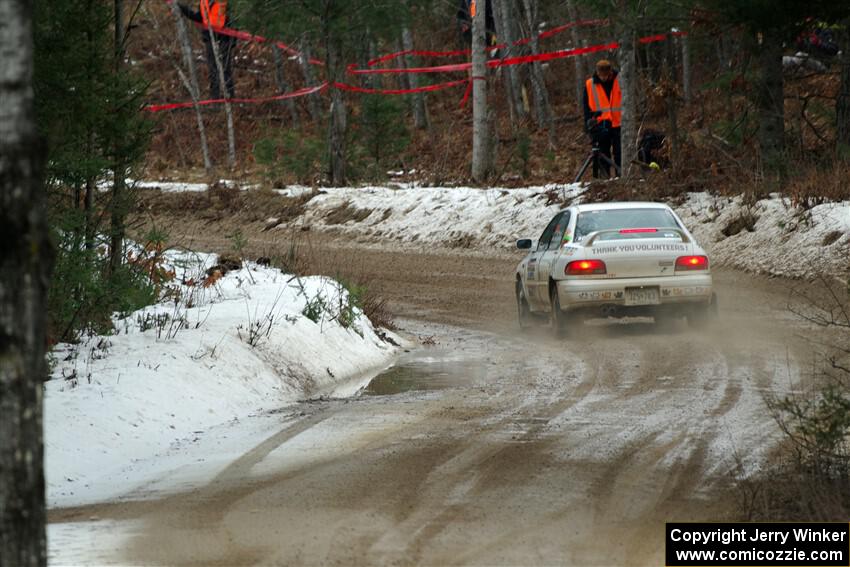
column 596, row 128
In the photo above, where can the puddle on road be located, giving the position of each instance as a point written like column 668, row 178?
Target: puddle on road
column 418, row 373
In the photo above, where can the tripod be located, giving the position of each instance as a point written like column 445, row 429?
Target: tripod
column 594, row 157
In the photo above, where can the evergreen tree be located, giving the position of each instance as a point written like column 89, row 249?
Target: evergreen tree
column 337, row 28
column 89, row 112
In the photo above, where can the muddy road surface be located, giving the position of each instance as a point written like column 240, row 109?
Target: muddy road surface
column 487, row 446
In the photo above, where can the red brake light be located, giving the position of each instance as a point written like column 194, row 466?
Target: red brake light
column 585, row 268
column 637, row 230
column 691, row 263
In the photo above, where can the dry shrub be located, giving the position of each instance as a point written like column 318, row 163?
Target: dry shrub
column 260, row 204
column 223, row 196
column 346, row 212
column 832, row 237
column 463, row 240
column 818, row 185
column 376, row 310
column 291, row 258
column 656, row 187
column 297, row 257
column 809, row 478
column 252, row 206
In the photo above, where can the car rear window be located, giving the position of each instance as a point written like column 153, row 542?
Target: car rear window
column 591, row 221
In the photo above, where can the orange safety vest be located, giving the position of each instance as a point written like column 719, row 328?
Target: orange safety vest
column 611, row 109
column 213, row 13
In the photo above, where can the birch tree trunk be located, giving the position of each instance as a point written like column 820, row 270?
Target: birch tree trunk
column 283, row 85
column 25, row 262
column 480, row 133
column 578, row 60
column 686, row 68
column 314, row 102
column 420, row 112
column 627, row 78
column 770, row 98
column 543, row 110
column 228, row 110
column 505, row 27
column 190, row 81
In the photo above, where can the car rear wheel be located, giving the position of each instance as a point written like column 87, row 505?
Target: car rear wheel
column 558, row 321
column 523, row 310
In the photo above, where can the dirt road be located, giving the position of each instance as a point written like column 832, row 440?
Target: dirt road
column 494, row 447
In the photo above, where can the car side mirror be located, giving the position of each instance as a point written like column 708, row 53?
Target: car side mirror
column 523, row 244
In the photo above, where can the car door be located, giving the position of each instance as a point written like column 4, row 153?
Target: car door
column 533, row 268
column 549, row 256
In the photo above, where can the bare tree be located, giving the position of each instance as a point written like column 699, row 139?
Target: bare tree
column 228, row 111
column 842, row 103
column 686, row 67
column 671, row 94
column 578, row 60
column 283, row 85
column 118, row 207
column 506, row 28
column 770, row 96
column 543, row 109
column 314, row 99
column 190, row 81
column 25, row 264
column 420, row 112
column 627, row 79
column 481, row 164
column 339, row 115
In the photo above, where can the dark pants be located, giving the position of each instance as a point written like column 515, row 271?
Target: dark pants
column 608, row 139
column 225, row 46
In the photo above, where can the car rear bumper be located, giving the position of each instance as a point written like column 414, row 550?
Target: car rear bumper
column 686, row 290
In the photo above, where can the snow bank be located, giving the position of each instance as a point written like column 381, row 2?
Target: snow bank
column 465, row 217
column 254, row 340
column 769, row 237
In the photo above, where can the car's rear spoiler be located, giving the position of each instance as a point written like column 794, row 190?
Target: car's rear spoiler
column 590, row 238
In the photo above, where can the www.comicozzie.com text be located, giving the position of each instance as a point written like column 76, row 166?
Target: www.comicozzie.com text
column 726, row 536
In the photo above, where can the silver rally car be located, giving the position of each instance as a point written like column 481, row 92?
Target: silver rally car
column 614, row 260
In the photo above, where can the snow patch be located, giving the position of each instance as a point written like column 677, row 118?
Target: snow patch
column 250, row 342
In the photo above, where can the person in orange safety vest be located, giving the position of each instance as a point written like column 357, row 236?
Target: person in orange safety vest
column 213, row 14
column 603, row 111
column 465, row 12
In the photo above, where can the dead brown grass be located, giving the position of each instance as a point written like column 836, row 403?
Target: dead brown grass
column 346, row 212
column 221, row 202
column 817, row 185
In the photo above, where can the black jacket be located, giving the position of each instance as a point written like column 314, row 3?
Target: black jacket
column 607, row 86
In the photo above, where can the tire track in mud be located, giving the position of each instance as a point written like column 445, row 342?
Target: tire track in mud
column 545, row 452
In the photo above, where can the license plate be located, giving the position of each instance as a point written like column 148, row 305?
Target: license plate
column 642, row 296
